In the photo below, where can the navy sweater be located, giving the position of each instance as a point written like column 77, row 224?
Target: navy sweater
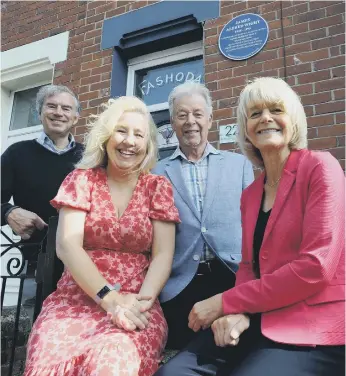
column 32, row 175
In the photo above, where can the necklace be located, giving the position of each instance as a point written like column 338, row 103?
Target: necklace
column 276, row 182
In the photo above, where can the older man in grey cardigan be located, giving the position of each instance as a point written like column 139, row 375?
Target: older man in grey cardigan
column 207, row 185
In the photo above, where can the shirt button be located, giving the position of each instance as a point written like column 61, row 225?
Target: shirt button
column 196, row 257
column 203, row 229
column 264, row 256
column 200, row 200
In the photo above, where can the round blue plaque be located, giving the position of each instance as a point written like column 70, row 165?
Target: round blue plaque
column 244, row 36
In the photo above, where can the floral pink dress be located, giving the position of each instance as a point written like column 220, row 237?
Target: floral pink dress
column 72, row 335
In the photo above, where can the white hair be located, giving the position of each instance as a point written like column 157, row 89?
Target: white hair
column 190, row 88
column 270, row 90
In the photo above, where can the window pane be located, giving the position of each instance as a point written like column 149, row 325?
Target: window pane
column 24, row 113
column 154, row 84
column 166, row 137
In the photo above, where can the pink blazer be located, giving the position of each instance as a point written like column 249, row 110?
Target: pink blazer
column 301, row 292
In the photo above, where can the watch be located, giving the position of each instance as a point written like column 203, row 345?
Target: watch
column 105, row 290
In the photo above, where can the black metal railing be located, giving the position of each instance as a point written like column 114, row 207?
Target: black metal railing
column 45, row 268
column 15, row 269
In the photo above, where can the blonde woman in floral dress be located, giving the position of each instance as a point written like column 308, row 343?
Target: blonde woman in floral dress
column 116, row 239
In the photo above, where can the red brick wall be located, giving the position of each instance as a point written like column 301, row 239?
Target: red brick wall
column 310, row 52
column 87, row 70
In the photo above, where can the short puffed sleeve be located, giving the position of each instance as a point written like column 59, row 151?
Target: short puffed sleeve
column 162, row 206
column 75, row 191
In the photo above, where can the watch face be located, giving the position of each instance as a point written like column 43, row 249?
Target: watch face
column 104, row 291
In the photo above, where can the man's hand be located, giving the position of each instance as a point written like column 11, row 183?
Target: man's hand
column 228, row 329
column 24, row 222
column 205, row 312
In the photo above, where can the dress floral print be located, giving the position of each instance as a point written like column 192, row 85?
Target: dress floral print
column 72, row 335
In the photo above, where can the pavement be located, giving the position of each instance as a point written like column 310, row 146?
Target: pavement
column 28, row 298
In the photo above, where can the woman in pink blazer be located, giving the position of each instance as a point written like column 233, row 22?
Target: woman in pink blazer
column 286, row 314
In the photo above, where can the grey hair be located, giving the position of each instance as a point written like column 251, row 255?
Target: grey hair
column 270, row 90
column 51, row 90
column 190, row 88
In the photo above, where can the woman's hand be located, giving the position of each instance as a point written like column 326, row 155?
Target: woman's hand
column 118, row 318
column 126, row 310
column 146, row 305
column 228, row 329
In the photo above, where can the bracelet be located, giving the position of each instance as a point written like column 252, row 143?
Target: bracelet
column 9, row 212
column 106, row 290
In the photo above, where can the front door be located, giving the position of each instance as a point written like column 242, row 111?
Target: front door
column 167, row 139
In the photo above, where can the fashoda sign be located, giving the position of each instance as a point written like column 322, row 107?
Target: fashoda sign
column 243, row 37
column 155, row 84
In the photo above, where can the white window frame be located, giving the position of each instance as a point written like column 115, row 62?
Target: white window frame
column 25, row 130
column 25, row 67
column 159, row 58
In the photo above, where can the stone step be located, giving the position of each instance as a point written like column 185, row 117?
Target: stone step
column 18, row 368
column 7, row 329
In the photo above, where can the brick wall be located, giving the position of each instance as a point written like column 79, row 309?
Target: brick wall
column 305, row 45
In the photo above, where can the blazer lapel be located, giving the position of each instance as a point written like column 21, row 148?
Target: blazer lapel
column 214, row 177
column 286, row 183
column 175, row 173
column 250, row 213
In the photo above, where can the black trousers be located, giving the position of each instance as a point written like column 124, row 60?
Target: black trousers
column 255, row 355
column 176, row 311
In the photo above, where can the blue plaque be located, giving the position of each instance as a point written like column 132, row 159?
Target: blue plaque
column 243, row 37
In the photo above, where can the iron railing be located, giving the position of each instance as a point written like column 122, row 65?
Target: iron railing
column 15, row 269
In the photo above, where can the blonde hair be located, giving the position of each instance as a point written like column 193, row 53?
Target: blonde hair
column 102, row 127
column 270, row 90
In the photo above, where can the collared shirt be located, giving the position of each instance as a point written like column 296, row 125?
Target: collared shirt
column 47, row 143
column 195, row 175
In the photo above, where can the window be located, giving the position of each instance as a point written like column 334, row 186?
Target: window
column 24, row 112
column 24, row 70
column 152, row 77
column 155, row 84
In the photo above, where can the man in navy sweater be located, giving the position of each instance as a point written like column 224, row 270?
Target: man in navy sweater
column 32, row 171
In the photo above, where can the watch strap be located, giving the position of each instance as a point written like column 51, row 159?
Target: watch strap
column 106, row 289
